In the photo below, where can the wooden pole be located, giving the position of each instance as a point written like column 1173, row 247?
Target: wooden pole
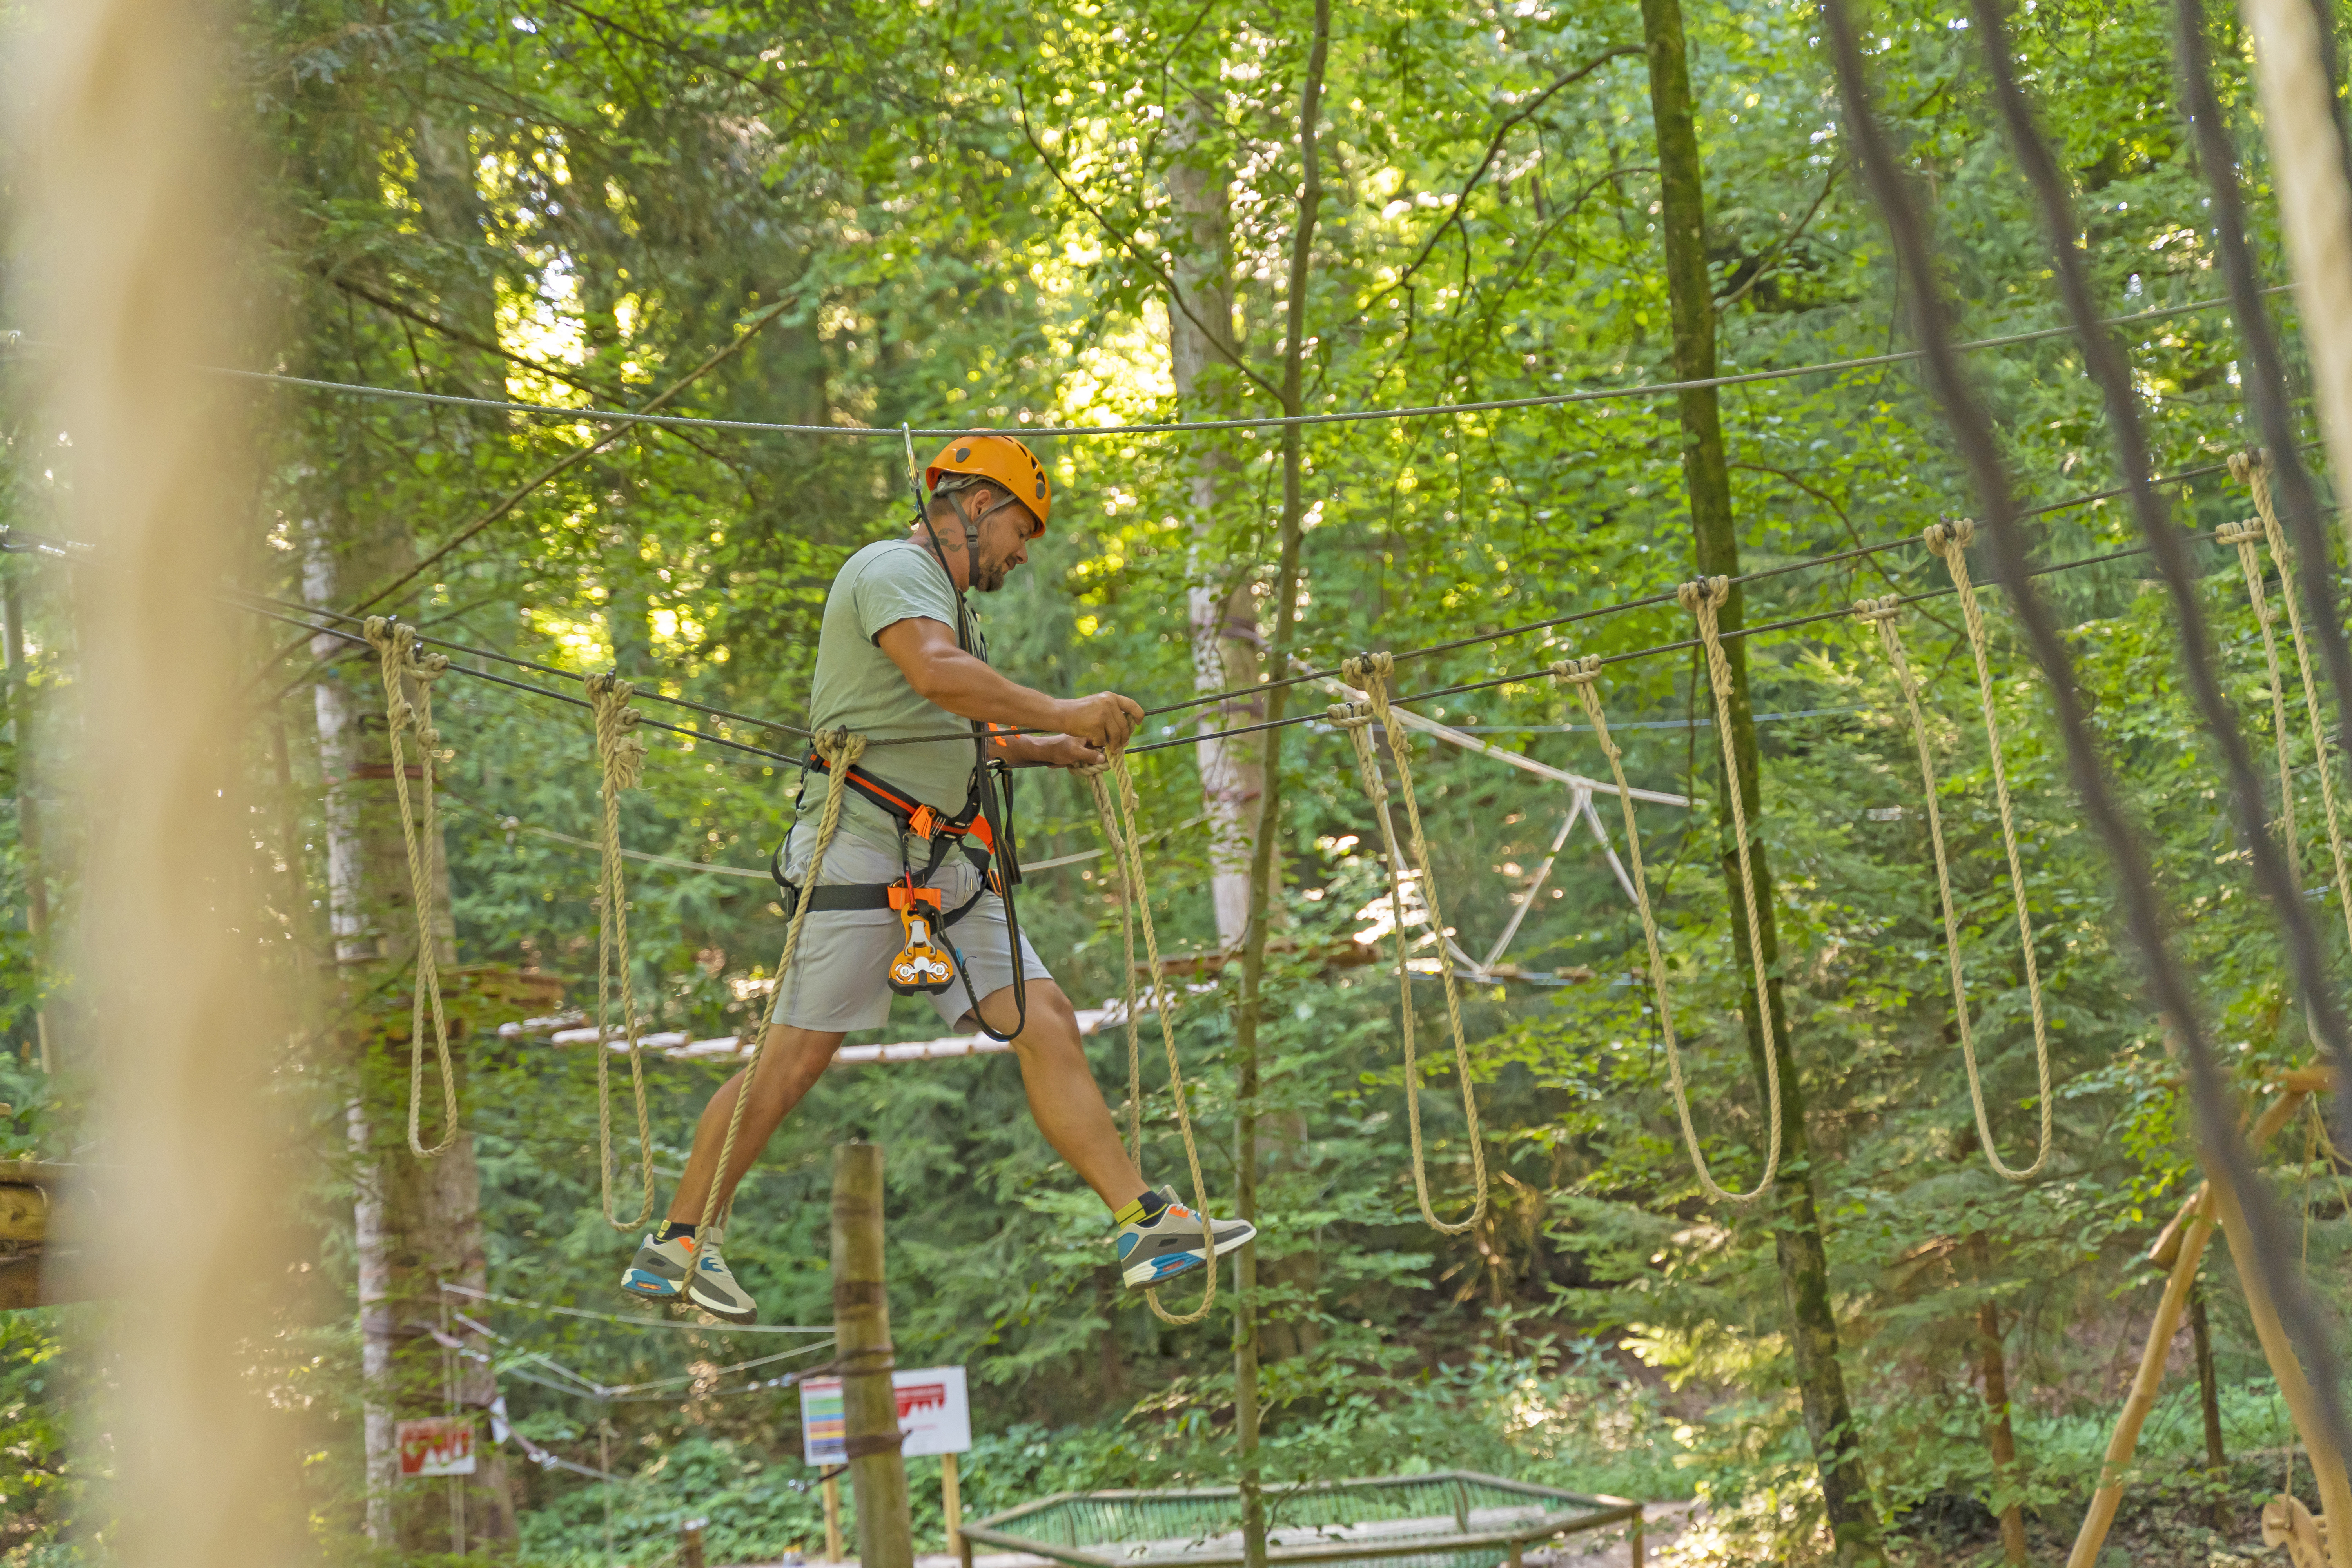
column 951, row 1504
column 2145, row 1383
column 2182, row 1247
column 832, row 1519
column 861, row 1333
column 2327, row 1463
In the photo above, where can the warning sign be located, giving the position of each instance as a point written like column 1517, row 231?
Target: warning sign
column 443, row 1445
column 934, row 1415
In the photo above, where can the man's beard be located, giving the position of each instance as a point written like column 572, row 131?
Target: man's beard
column 988, row 576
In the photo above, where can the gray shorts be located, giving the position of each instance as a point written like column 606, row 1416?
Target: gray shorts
column 837, row 981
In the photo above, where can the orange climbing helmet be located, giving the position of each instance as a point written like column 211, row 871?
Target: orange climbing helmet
column 1001, row 458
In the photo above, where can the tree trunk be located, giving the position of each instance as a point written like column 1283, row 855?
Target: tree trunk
column 861, row 1333
column 2209, row 1404
column 28, row 810
column 1999, row 1436
column 416, row 1223
column 1226, row 645
column 1796, row 1235
column 1247, row 1015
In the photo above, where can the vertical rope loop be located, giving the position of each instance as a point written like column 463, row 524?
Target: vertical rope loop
column 1704, row 599
column 1370, row 673
column 400, row 663
column 1581, row 675
column 1121, row 818
column 1882, row 614
column 839, row 748
column 621, row 759
column 2252, row 468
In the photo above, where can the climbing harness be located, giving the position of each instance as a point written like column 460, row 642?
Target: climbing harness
column 1370, row 674
column 396, row 651
column 1581, row 675
column 838, row 748
column 928, row 961
column 620, row 760
column 1134, row 906
column 2253, row 470
column 1882, row 614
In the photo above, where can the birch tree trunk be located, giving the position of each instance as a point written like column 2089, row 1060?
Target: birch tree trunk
column 1227, row 648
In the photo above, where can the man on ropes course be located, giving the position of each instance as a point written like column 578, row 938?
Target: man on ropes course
column 895, row 907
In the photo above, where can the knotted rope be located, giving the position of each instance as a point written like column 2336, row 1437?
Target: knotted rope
column 839, row 748
column 1134, row 905
column 1882, row 614
column 401, row 662
column 1581, row 675
column 1370, row 673
column 2253, row 470
column 621, row 758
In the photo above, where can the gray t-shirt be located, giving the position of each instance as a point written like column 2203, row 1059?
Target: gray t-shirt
column 858, row 688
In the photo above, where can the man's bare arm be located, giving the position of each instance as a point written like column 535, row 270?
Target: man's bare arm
column 926, row 653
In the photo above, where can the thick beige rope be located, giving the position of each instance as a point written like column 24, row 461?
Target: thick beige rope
column 1950, row 542
column 1882, row 614
column 1704, row 599
column 839, row 748
column 620, row 760
column 1370, row 673
column 400, row 662
column 1580, row 674
column 1135, row 907
column 2253, row 469
column 2247, row 539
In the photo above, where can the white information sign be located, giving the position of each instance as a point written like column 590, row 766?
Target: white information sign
column 934, row 1415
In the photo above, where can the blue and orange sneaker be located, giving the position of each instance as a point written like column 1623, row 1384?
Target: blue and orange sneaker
column 685, row 1269
column 1157, row 1248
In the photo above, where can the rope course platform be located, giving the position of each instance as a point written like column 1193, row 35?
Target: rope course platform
column 1446, row 1519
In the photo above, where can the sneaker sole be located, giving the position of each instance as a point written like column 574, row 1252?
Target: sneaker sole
column 629, row 1292
column 726, row 1314
column 1144, row 1276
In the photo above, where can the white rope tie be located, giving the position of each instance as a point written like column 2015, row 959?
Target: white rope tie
column 1882, row 615
column 621, row 759
column 2253, row 469
column 1134, row 907
column 839, row 748
column 1370, row 673
column 401, row 661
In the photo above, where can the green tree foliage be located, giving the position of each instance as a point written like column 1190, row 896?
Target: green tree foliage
column 964, row 215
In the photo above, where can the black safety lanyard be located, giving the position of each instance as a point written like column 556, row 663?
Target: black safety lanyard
column 998, row 813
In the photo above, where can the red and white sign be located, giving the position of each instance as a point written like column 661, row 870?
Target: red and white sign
column 934, row 1415
column 443, row 1445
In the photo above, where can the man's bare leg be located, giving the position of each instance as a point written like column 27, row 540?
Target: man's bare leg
column 1062, row 1095
column 791, row 1059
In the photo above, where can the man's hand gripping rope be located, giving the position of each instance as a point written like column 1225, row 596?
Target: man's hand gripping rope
column 401, row 664
column 1134, row 902
column 620, row 760
column 1370, row 674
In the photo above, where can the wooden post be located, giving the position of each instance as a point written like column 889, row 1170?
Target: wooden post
column 951, row 1504
column 861, row 1333
column 832, row 1519
column 689, row 1543
column 2183, row 1247
column 1640, row 1540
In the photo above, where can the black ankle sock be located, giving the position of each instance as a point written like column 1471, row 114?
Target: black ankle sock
column 1154, row 1203
column 671, row 1230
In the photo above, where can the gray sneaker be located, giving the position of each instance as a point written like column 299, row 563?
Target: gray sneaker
column 1153, row 1251
column 658, row 1271
column 712, row 1287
